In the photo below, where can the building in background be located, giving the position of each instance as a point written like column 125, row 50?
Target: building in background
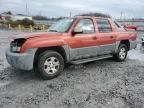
column 20, row 17
column 6, row 17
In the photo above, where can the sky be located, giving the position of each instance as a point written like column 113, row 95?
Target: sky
column 56, row 8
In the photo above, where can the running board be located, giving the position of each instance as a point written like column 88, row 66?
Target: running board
column 90, row 59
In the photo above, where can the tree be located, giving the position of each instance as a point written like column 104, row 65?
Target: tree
column 40, row 17
column 17, row 22
column 26, row 22
column 8, row 12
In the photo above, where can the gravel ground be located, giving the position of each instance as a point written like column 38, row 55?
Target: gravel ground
column 99, row 84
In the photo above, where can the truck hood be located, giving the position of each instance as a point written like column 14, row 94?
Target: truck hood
column 39, row 34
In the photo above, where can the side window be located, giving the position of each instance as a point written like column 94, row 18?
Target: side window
column 86, row 25
column 117, row 24
column 104, row 25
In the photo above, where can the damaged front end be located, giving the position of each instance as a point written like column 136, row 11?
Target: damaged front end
column 18, row 60
column 16, row 45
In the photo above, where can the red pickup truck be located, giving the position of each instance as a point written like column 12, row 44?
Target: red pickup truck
column 71, row 40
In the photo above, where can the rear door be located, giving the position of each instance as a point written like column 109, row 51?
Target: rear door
column 106, row 37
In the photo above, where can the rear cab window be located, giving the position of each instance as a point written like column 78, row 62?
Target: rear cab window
column 104, row 25
column 118, row 26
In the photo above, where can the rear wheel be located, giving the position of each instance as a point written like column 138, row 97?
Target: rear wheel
column 50, row 64
column 121, row 53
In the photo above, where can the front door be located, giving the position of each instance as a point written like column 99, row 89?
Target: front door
column 83, row 44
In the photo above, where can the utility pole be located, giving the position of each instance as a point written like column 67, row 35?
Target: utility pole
column 70, row 14
column 121, row 15
column 26, row 9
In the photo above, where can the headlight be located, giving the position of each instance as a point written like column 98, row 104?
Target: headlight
column 16, row 45
column 15, row 49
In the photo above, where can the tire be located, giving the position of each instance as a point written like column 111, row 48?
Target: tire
column 50, row 64
column 121, row 53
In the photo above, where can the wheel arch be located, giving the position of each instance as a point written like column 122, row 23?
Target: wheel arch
column 126, row 42
column 59, row 49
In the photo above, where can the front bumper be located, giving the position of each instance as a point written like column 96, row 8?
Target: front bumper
column 21, row 61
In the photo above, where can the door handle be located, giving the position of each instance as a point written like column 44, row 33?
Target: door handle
column 111, row 36
column 94, row 37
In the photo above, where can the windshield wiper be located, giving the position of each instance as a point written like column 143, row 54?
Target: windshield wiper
column 53, row 30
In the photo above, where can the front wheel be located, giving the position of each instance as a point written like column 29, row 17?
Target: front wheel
column 50, row 64
column 121, row 53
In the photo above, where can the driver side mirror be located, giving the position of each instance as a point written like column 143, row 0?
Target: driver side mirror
column 77, row 30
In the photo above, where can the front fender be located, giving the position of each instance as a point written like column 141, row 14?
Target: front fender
column 41, row 43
